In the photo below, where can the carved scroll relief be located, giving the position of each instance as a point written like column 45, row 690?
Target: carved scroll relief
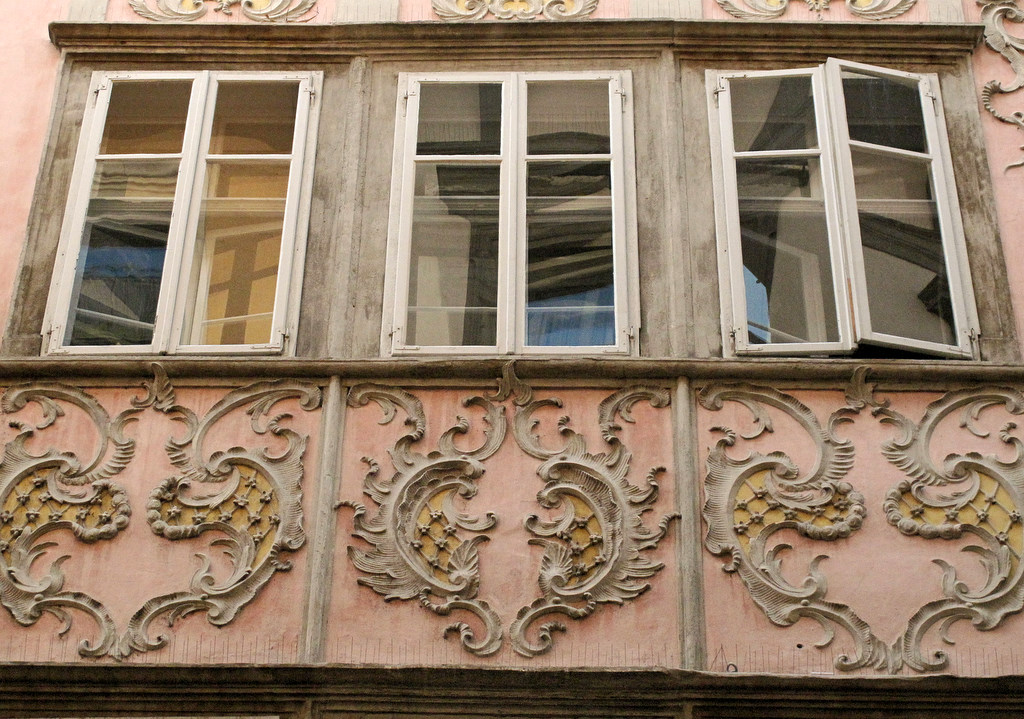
column 752, row 498
column 423, row 547
column 463, row 10
column 251, row 498
column 42, row 493
column 771, row 9
column 970, row 495
column 994, row 15
column 259, row 10
column 593, row 551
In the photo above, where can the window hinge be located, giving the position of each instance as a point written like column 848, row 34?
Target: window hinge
column 622, row 97
column 719, row 89
column 975, row 337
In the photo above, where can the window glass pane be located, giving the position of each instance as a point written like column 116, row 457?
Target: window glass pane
column 238, row 250
column 570, row 267
column 772, row 113
column 459, row 119
column 122, row 256
column 567, row 117
column 786, row 256
column 254, row 118
column 146, row 117
column 904, row 260
column 453, row 277
column 884, row 111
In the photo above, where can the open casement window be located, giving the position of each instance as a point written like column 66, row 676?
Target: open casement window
column 512, row 223
column 839, row 226
column 184, row 230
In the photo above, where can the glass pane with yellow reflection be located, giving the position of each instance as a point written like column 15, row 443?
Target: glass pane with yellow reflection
column 238, row 252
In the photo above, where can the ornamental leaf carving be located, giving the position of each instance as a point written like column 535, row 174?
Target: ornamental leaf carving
column 994, row 15
column 418, row 534
column 752, row 498
column 969, row 494
column 41, row 493
column 771, row 9
column 466, row 10
column 593, row 549
column 259, row 10
column 251, row 496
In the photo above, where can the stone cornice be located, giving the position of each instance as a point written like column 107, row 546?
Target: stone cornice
column 718, row 41
column 53, row 689
column 779, row 370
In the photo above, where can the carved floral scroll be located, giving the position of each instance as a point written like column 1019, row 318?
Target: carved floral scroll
column 259, row 10
column 771, row 9
column 593, row 550
column 751, row 498
column 249, row 497
column 53, row 490
column 994, row 15
column 465, row 10
column 423, row 547
column 419, row 537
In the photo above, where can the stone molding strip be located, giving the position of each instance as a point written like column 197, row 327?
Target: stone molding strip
column 713, row 41
column 783, row 371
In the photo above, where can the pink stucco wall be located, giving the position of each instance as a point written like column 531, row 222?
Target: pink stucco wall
column 24, row 115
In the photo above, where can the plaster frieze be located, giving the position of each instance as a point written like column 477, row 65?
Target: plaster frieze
column 250, row 498
column 752, row 498
column 771, row 9
column 463, row 10
column 994, row 15
column 593, row 536
column 259, row 10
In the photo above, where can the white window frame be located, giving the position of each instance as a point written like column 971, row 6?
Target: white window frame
column 512, row 252
column 834, row 151
column 176, row 285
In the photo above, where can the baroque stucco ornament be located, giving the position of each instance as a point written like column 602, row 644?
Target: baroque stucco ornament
column 260, row 10
column 420, row 550
column 462, row 10
column 968, row 495
column 592, row 550
column 42, row 493
column 751, row 498
column 771, row 9
column 253, row 497
column 994, row 15
column 250, row 496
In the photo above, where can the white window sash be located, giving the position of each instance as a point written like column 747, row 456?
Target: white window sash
column 730, row 234
column 849, row 274
column 512, row 250
column 174, row 282
column 949, row 231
